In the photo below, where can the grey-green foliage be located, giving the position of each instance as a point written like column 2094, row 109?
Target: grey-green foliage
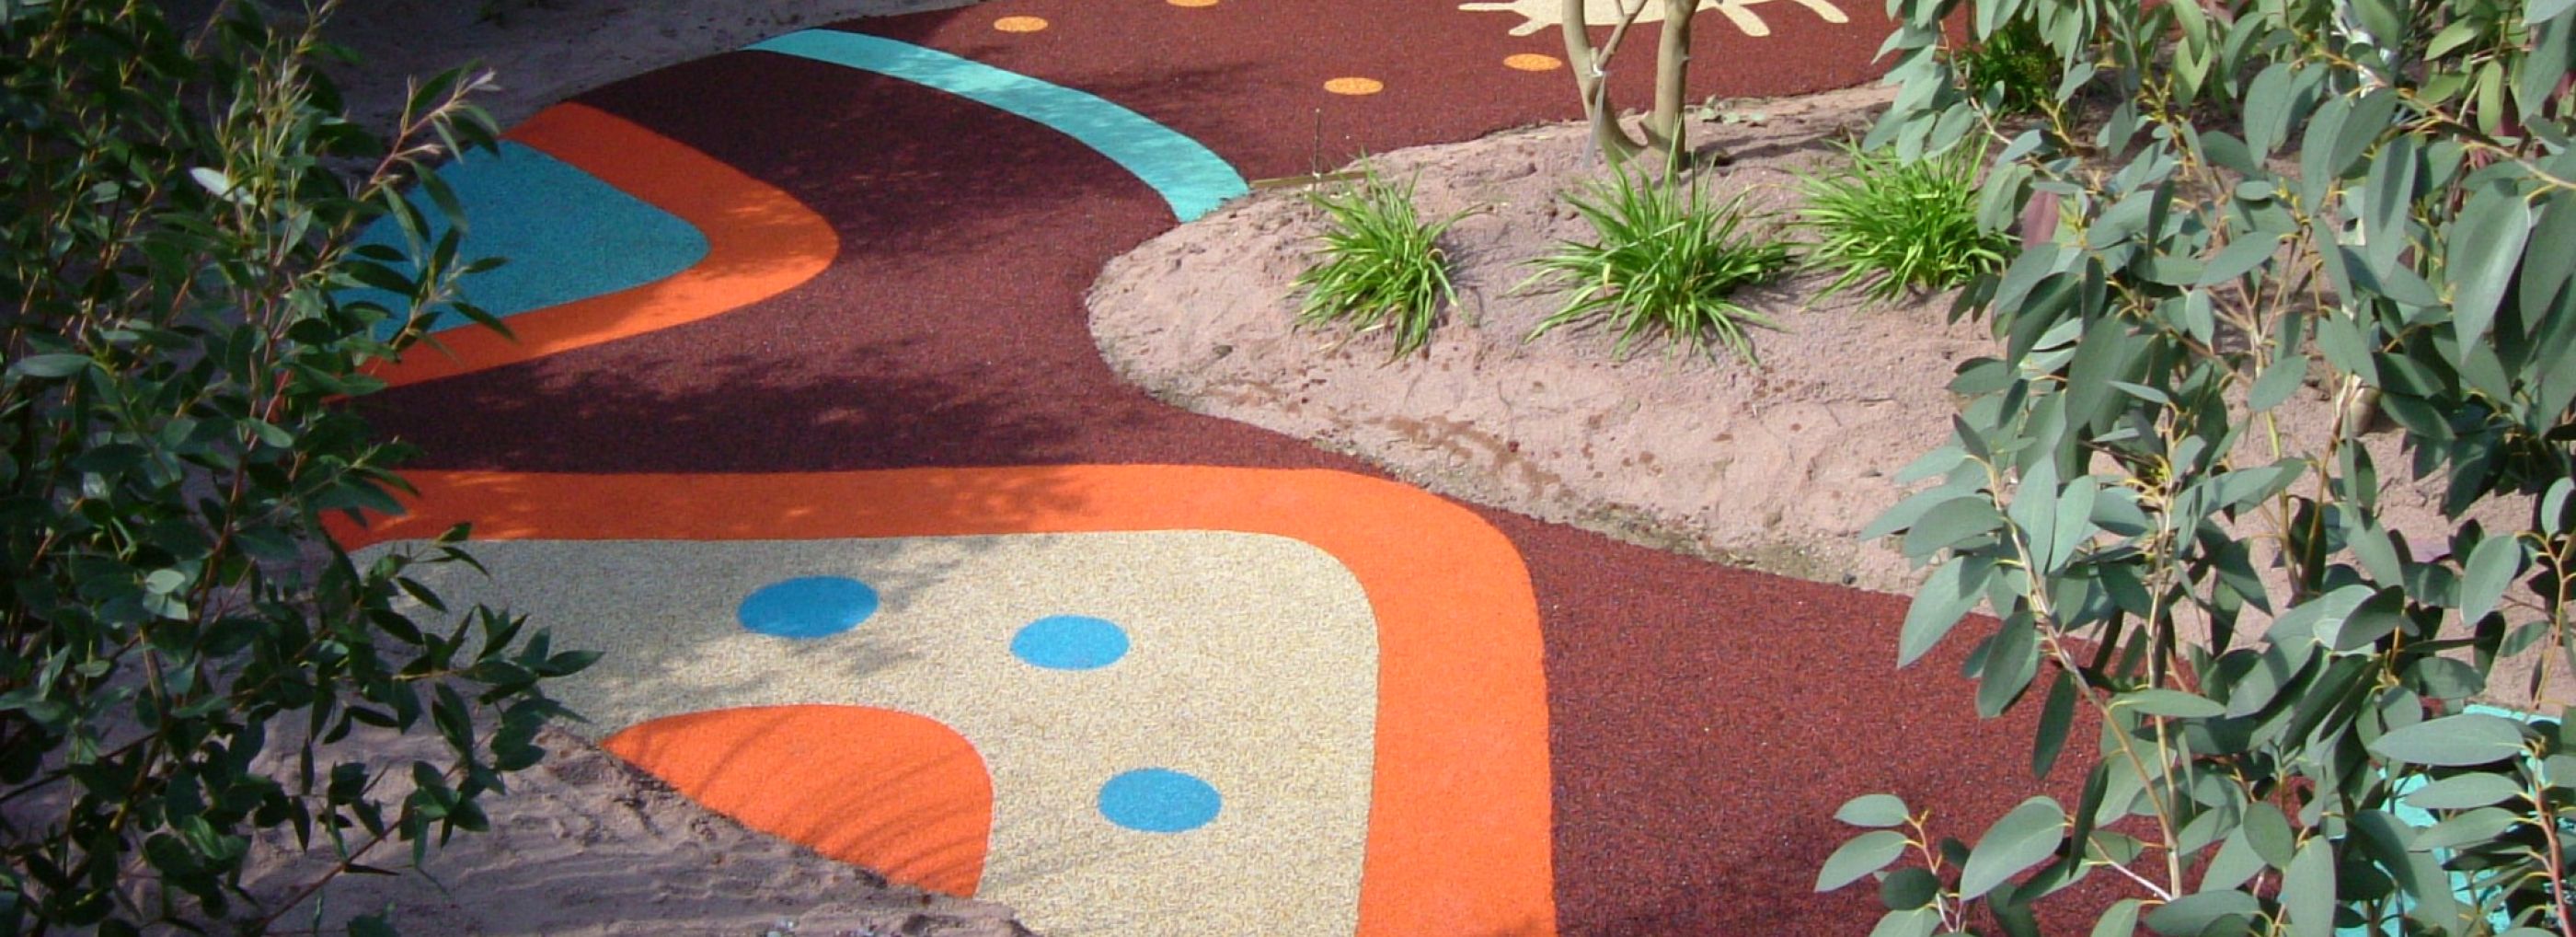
column 175, row 243
column 2373, row 196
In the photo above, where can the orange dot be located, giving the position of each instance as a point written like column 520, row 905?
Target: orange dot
column 1019, row 24
column 1534, row 62
column 1354, row 86
column 1191, row 3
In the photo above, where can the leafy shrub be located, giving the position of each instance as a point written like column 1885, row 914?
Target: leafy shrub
column 2388, row 210
column 173, row 252
column 2014, row 63
column 1664, row 260
column 1899, row 225
column 1380, row 266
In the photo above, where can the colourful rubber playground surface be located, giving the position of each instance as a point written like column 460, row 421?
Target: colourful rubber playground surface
column 802, row 425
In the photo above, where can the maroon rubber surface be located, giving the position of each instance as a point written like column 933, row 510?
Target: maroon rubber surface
column 1705, row 721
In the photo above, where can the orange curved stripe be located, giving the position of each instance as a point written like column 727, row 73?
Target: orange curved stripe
column 760, row 242
column 915, row 805
column 1459, row 823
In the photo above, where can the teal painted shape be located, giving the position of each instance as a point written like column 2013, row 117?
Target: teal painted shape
column 2420, row 818
column 566, row 234
column 1189, row 176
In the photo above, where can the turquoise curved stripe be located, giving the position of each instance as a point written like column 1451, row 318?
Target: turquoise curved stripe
column 1189, row 176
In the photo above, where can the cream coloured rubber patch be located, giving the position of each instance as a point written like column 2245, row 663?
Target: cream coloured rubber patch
column 1162, row 714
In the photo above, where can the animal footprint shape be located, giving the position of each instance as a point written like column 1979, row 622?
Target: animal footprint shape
column 1544, row 14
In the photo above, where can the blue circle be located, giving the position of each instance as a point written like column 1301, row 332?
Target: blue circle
column 1070, row 642
column 1158, row 800
column 808, row 607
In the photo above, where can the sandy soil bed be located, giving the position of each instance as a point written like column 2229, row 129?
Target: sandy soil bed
column 1777, row 466
column 1772, row 466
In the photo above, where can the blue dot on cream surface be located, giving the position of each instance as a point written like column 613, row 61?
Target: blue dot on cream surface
column 1159, row 800
column 1070, row 642
column 808, row 607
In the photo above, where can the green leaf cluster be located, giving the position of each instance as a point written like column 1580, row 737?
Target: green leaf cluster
column 1899, row 226
column 1665, row 262
column 176, row 231
column 1379, row 265
column 2015, row 66
column 2368, row 202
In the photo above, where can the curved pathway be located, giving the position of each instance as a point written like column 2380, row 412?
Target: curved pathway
column 886, row 560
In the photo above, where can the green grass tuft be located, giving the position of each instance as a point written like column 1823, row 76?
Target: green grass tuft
column 1900, row 226
column 1665, row 260
column 1379, row 265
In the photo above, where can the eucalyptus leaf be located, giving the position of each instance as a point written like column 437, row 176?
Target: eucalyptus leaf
column 2471, row 827
column 1864, row 854
column 2056, row 715
column 2165, row 702
column 1908, row 888
column 2026, row 837
column 2278, row 382
column 1912, row 922
column 2463, row 791
column 2491, row 569
column 2193, row 914
column 1945, row 597
column 1873, row 810
column 2119, row 920
column 49, row 365
column 2453, row 741
column 2308, row 890
column 2268, row 831
column 2481, row 258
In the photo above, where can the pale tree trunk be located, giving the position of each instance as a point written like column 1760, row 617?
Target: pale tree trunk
column 1586, row 63
column 1666, row 128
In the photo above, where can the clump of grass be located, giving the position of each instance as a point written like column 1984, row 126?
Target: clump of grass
column 1379, row 265
column 2016, row 59
column 1665, row 260
column 1899, row 226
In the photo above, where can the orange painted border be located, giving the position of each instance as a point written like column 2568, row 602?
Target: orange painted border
column 760, row 242
column 1460, row 816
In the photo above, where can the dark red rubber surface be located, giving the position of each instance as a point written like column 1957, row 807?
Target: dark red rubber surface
column 1705, row 721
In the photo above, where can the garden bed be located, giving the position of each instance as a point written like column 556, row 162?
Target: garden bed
column 1777, row 466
